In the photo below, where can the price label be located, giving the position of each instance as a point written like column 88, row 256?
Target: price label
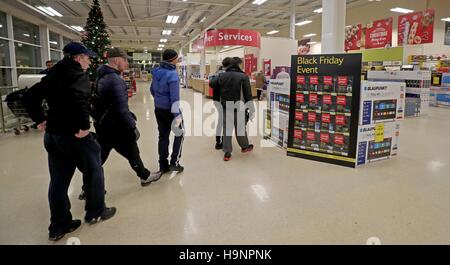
column 379, row 133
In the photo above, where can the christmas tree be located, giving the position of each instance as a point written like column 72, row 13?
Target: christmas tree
column 95, row 37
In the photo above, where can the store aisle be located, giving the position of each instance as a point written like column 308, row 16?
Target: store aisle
column 261, row 198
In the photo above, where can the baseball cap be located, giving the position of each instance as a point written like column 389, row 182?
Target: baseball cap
column 75, row 48
column 117, row 52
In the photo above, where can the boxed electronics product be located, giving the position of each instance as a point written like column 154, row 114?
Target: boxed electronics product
column 377, row 142
column 382, row 102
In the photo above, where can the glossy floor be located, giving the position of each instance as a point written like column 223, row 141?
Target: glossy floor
column 259, row 198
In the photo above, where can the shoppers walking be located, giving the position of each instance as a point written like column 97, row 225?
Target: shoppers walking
column 114, row 123
column 68, row 141
column 214, row 83
column 237, row 104
column 165, row 89
column 48, row 64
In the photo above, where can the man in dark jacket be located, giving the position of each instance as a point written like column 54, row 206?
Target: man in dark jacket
column 165, row 89
column 68, row 141
column 236, row 99
column 117, row 128
column 216, row 97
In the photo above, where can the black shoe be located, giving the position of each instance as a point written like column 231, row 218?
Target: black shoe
column 219, row 146
column 227, row 157
column 176, row 168
column 151, row 178
column 106, row 214
column 72, row 227
column 82, row 196
column 247, row 149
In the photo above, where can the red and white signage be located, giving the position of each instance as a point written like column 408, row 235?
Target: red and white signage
column 416, row 28
column 379, row 34
column 229, row 37
column 267, row 66
column 353, row 35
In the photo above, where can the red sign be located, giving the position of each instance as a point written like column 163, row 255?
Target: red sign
column 249, row 60
column 379, row 34
column 229, row 37
column 298, row 134
column 340, row 120
column 328, row 80
column 325, row 137
column 353, row 35
column 314, row 80
column 327, row 99
column 198, row 45
column 416, row 28
column 313, row 98
column 339, row 139
column 267, row 67
column 299, row 116
column 301, row 80
column 341, row 100
column 312, row 116
column 326, row 118
column 342, row 80
column 310, row 136
column 300, row 98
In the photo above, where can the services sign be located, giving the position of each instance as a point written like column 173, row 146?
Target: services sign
column 232, row 37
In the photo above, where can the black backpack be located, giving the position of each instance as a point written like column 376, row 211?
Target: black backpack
column 98, row 109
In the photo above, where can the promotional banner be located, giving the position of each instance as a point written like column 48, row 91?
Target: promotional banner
column 267, row 67
column 447, row 33
column 230, row 37
column 324, row 107
column 379, row 34
column 277, row 118
column 198, row 45
column 416, row 28
column 303, row 47
column 249, row 61
column 353, row 36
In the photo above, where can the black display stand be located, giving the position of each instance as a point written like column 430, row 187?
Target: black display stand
column 324, row 108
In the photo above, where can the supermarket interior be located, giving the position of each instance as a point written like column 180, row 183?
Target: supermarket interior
column 352, row 112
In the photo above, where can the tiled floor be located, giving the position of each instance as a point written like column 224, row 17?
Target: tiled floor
column 261, row 198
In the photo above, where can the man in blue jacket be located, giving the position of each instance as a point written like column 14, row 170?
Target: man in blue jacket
column 165, row 89
column 116, row 124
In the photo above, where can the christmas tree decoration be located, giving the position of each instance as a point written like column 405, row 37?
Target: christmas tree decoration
column 96, row 38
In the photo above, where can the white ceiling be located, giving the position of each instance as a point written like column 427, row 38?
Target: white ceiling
column 139, row 23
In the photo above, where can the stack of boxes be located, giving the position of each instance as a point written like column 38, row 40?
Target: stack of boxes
column 382, row 108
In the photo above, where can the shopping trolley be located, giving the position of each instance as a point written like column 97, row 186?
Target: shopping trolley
column 15, row 103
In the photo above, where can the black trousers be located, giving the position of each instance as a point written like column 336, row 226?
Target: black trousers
column 165, row 119
column 125, row 144
column 65, row 154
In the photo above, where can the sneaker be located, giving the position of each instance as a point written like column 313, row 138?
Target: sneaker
column 72, row 227
column 106, row 214
column 247, row 149
column 219, row 146
column 82, row 196
column 152, row 178
column 176, row 168
column 227, row 157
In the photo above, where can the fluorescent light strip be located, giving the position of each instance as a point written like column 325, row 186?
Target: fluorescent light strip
column 272, row 32
column 167, row 32
column 318, row 11
column 302, row 23
column 402, row 10
column 77, row 28
column 259, row 2
column 310, row 35
column 172, row 19
column 43, row 9
column 163, row 40
column 312, row 42
column 54, row 11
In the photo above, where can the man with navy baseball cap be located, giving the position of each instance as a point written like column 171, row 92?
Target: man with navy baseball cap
column 68, row 141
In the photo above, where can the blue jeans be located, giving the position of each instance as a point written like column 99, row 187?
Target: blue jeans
column 65, row 154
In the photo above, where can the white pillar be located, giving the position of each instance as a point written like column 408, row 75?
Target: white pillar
column 45, row 38
column 292, row 21
column 333, row 26
column 203, row 63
